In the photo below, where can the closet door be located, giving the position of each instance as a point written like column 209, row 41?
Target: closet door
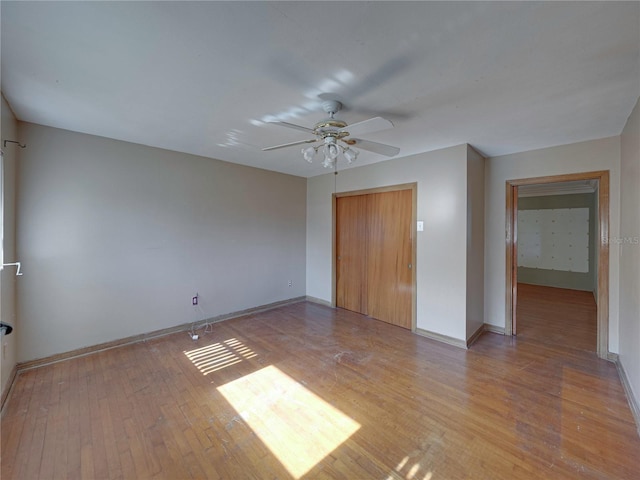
column 373, row 255
column 351, row 241
column 389, row 276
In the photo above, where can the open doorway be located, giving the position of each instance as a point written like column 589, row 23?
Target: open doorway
column 580, row 270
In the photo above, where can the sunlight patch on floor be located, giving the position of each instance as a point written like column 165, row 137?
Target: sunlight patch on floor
column 219, row 355
column 297, row 426
column 413, row 472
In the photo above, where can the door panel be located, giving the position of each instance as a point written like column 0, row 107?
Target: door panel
column 389, row 257
column 351, row 238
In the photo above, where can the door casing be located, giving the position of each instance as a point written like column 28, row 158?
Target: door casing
column 511, row 239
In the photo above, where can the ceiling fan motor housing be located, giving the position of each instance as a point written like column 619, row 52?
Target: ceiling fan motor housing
column 330, row 128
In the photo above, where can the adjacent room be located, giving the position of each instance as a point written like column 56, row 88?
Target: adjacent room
column 296, row 240
column 557, row 275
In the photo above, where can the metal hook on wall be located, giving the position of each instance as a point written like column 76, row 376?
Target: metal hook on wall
column 16, row 264
column 21, row 145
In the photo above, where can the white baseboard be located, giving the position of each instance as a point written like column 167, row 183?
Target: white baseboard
column 493, row 329
column 319, row 301
column 479, row 331
column 456, row 342
column 634, row 405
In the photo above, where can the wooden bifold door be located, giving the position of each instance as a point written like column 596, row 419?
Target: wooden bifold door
column 374, row 255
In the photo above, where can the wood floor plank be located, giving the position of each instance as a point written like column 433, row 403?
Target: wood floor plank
column 557, row 316
column 111, row 456
column 508, row 408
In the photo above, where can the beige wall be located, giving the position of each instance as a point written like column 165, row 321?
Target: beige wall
column 441, row 268
column 116, row 238
column 603, row 154
column 630, row 251
column 8, row 275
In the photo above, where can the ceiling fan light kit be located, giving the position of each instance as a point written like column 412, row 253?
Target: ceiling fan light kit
column 330, row 131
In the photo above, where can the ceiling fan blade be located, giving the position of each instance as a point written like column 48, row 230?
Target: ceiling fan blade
column 375, row 147
column 294, row 126
column 374, row 124
column 275, row 147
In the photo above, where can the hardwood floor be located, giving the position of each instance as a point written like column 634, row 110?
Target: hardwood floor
column 306, row 391
column 557, row 316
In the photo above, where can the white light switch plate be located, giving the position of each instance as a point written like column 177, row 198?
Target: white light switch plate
column 420, row 226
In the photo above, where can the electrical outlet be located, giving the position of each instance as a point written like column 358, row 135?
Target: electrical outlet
column 290, row 283
column 194, row 300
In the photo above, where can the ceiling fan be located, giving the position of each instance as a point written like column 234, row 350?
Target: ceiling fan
column 328, row 132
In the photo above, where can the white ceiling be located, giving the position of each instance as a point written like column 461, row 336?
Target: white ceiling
column 203, row 77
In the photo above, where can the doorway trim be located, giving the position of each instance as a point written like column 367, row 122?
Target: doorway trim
column 414, row 216
column 602, row 301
